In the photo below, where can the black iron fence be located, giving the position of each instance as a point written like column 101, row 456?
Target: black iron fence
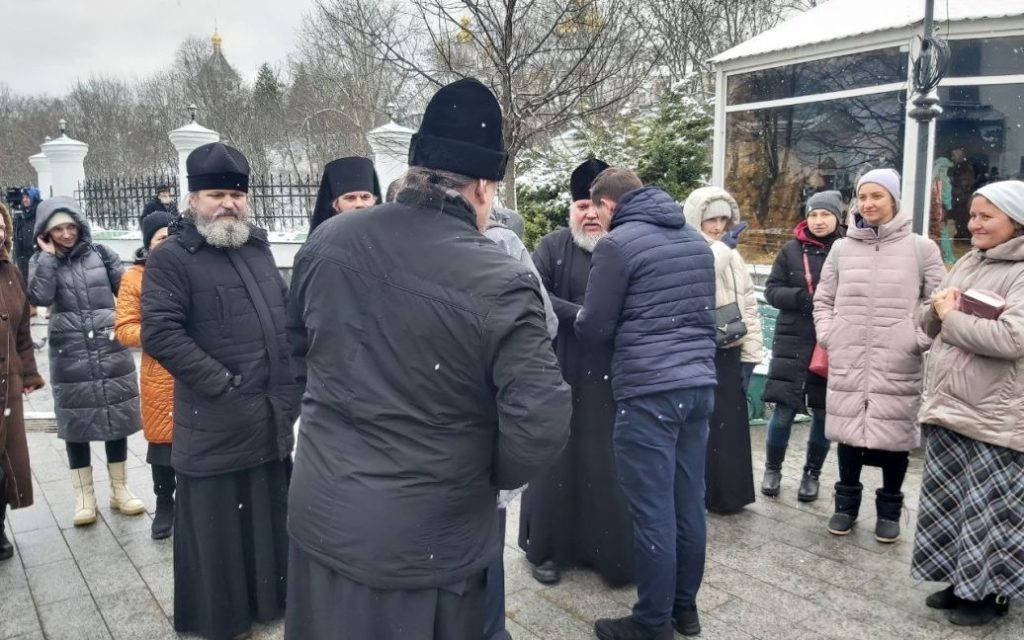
column 117, row 203
column 277, row 203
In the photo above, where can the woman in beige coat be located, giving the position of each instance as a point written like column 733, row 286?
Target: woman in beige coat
column 970, row 526
column 728, row 473
column 865, row 309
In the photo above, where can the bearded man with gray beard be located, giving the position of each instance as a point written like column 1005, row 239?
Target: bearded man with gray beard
column 575, row 514
column 213, row 314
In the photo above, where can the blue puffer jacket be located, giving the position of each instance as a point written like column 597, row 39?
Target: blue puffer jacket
column 652, row 290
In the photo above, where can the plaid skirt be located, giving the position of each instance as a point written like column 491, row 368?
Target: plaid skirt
column 970, row 525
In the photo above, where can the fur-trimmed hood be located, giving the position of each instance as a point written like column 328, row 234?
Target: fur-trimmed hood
column 700, row 199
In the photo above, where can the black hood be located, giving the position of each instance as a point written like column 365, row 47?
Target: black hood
column 342, row 176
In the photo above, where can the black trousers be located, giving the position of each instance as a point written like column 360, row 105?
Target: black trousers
column 893, row 464
column 79, row 454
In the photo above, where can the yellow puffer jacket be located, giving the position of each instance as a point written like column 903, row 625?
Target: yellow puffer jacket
column 157, row 386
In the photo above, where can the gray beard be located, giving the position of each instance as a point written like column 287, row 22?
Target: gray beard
column 585, row 241
column 224, row 233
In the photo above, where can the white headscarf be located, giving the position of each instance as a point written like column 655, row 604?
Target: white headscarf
column 1008, row 196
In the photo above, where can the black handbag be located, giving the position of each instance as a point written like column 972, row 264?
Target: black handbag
column 729, row 324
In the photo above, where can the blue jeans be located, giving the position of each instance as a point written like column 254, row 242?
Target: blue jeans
column 781, row 424
column 494, row 609
column 660, row 445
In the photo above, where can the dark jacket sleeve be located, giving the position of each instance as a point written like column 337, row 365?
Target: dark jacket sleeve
column 534, row 403
column 295, row 325
column 166, row 300
column 544, row 259
column 606, row 290
column 115, row 268
column 779, row 292
column 42, row 279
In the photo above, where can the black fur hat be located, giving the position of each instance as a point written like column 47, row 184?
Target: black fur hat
column 583, row 176
column 461, row 132
column 217, row 166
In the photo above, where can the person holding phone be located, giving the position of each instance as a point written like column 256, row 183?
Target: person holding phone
column 95, row 389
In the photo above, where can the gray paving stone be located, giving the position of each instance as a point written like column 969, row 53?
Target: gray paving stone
column 77, row 619
column 781, row 604
column 42, row 546
column 759, row 622
column 714, row 628
column 583, row 595
column 96, row 539
column 37, row 516
column 17, row 611
column 125, row 527
column 159, row 578
column 144, row 550
column 111, row 573
column 56, row 582
column 133, row 613
column 544, row 619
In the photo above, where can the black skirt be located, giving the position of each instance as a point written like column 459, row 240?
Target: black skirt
column 230, row 550
column 729, row 474
column 325, row 605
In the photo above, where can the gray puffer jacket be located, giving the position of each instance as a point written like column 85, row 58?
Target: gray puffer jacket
column 95, row 389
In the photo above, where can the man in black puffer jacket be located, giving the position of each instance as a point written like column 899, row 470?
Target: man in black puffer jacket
column 652, row 291
column 213, row 314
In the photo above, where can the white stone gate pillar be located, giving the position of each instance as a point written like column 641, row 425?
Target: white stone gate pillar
column 44, row 179
column 66, row 157
column 186, row 140
column 390, row 144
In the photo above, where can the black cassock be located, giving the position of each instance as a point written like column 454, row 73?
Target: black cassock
column 575, row 513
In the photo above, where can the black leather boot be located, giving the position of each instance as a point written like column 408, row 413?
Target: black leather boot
column 774, row 457
column 163, row 486
column 809, row 484
column 847, row 508
column 888, row 506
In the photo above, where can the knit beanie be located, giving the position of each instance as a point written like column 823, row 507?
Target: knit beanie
column 461, row 132
column 153, row 223
column 59, row 218
column 831, row 201
column 888, row 179
column 1008, row 196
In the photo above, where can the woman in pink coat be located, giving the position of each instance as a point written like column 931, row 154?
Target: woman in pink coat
column 865, row 309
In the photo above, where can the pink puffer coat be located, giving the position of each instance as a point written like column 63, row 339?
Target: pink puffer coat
column 865, row 314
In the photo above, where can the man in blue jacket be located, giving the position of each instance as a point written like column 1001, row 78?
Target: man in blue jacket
column 652, row 292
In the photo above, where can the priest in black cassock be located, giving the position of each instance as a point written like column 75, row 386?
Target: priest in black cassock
column 575, row 513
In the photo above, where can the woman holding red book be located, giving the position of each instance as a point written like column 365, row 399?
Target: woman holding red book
column 970, row 529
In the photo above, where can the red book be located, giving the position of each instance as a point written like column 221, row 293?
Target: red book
column 981, row 303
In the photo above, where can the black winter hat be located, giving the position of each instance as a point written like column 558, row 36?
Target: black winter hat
column 583, row 176
column 217, row 166
column 153, row 223
column 342, row 176
column 461, row 132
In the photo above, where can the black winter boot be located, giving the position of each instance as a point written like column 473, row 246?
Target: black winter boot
column 975, row 614
column 163, row 486
column 847, row 507
column 889, row 506
column 816, row 455
column 774, row 457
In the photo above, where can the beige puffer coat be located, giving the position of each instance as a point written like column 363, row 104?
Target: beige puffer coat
column 866, row 316
column 732, row 278
column 974, row 383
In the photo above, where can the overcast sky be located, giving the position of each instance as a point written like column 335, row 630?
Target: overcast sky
column 45, row 45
